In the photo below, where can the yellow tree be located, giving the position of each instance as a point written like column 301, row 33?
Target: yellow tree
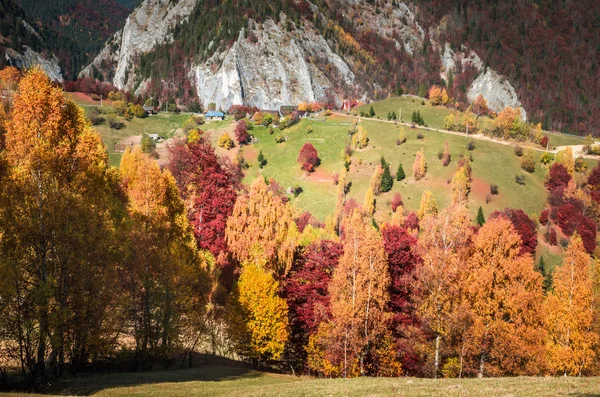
column 262, row 329
column 261, row 219
column 369, row 204
column 504, row 293
column 445, row 97
column 461, row 185
column 565, row 157
column 435, row 95
column 340, row 200
column 359, row 296
column 428, row 205
column 570, row 312
column 163, row 246
column 444, row 246
column 419, row 166
column 376, row 180
column 59, row 225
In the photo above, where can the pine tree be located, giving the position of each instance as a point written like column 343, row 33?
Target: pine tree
column 261, row 159
column 386, row 179
column 371, row 112
column 480, row 218
column 545, row 273
column 400, row 175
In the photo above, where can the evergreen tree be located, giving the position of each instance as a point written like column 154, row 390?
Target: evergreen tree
column 371, row 112
column 383, row 162
column 400, row 175
column 544, row 272
column 386, row 179
column 480, row 218
column 262, row 161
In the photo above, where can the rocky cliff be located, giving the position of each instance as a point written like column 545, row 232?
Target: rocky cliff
column 281, row 60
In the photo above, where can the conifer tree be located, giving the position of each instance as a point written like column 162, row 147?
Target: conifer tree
column 261, row 159
column 400, row 175
column 386, row 178
column 480, row 217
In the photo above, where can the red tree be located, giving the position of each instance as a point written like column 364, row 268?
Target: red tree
column 306, row 293
column 209, row 192
column 571, row 219
column 558, row 177
column 524, row 225
column 544, row 217
column 241, row 132
column 403, row 259
column 309, row 158
column 593, row 183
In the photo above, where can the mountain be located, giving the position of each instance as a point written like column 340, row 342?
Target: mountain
column 78, row 28
column 268, row 54
column 22, row 45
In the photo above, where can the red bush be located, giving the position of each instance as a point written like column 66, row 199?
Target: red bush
column 396, row 201
column 571, row 219
column 551, row 237
column 306, row 219
column 309, row 158
column 544, row 141
column 558, row 177
column 544, row 217
column 412, row 221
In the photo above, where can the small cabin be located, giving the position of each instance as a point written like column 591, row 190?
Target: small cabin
column 154, row 137
column 149, row 110
column 214, row 115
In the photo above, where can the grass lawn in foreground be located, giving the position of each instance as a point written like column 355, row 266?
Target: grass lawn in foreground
column 232, row 382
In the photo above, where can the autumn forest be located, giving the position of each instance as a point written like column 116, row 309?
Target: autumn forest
column 145, row 266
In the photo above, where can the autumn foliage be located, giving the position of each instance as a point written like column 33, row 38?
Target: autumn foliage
column 308, row 158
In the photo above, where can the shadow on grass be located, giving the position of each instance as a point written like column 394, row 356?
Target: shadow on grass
column 216, row 369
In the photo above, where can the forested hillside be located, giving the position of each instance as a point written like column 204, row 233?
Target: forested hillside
column 79, row 27
column 549, row 50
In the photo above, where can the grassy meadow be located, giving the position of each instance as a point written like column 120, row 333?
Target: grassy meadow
column 238, row 381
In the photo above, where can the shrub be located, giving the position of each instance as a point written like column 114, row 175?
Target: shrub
column 547, row 158
column 559, row 177
column 528, row 162
column 544, row 141
column 308, row 157
column 114, row 122
column 446, row 155
column 401, row 137
column 518, row 151
column 471, row 145
column 396, row 201
column 420, row 135
column 493, row 189
column 147, row 144
column 544, row 217
column 520, row 179
column 550, row 236
column 225, row 141
column 138, row 111
column 280, row 138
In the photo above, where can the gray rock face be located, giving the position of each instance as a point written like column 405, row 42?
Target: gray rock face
column 497, row 91
column 149, row 24
column 29, row 58
column 271, row 72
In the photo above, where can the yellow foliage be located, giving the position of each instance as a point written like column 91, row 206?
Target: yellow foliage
column 428, row 205
column 265, row 313
column 419, row 166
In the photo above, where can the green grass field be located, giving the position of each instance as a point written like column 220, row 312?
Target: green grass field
column 231, row 382
column 434, row 116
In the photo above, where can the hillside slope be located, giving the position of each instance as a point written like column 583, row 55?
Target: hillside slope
column 268, row 54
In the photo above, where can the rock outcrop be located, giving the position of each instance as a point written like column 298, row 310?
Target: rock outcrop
column 497, row 91
column 149, row 24
column 29, row 58
column 270, row 71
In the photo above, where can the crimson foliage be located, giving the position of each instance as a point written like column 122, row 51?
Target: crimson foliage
column 571, row 219
column 593, row 183
column 241, row 132
column 208, row 189
column 306, row 292
column 309, row 158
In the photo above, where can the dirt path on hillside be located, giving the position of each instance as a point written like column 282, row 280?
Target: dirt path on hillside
column 577, row 149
